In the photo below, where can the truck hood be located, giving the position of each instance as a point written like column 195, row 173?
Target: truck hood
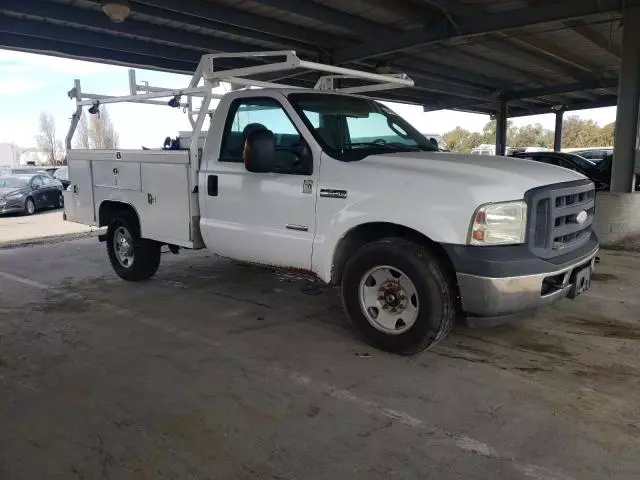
column 476, row 171
column 431, row 192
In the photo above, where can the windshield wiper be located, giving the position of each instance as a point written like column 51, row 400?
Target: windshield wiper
column 391, row 145
column 366, row 144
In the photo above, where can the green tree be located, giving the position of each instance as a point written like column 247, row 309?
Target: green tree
column 490, row 128
column 530, row 136
column 607, row 134
column 577, row 133
column 456, row 139
column 461, row 140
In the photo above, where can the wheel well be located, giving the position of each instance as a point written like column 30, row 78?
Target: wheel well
column 370, row 232
column 110, row 209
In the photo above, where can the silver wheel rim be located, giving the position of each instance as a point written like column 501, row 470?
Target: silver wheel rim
column 388, row 299
column 123, row 247
column 30, row 207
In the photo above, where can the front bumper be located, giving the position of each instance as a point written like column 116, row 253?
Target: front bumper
column 11, row 208
column 514, row 290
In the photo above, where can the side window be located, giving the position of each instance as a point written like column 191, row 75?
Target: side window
column 47, row 181
column 37, row 182
column 248, row 115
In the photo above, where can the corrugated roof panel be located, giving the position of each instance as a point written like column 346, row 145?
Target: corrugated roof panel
column 578, row 49
column 361, row 8
column 495, row 5
column 492, row 51
column 603, row 35
column 611, row 29
column 477, row 64
column 284, row 16
column 212, row 32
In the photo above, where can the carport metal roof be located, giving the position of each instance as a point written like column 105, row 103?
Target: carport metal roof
column 541, row 55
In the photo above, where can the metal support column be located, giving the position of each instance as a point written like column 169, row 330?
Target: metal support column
column 626, row 141
column 557, row 134
column 501, row 128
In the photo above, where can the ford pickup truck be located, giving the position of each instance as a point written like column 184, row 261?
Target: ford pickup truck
column 341, row 186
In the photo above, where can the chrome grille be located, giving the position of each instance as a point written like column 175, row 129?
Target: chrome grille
column 554, row 227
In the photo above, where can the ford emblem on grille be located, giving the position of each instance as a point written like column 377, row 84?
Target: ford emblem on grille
column 581, row 217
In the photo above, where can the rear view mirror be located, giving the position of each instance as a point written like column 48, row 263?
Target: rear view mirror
column 259, row 151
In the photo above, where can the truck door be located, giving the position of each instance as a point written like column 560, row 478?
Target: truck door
column 266, row 218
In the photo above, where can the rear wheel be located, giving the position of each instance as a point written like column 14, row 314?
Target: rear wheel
column 29, row 206
column 133, row 258
column 398, row 295
column 59, row 201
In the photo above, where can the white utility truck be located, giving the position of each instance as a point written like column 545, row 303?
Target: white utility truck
column 331, row 182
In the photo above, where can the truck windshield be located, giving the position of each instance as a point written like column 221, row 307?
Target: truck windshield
column 352, row 128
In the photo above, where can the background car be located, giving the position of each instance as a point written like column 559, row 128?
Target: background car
column 596, row 154
column 28, row 193
column 604, row 170
column 62, row 175
column 4, row 171
column 572, row 162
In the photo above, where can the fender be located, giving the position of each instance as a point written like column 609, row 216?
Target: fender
column 439, row 223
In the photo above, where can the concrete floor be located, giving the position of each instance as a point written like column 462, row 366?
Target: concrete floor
column 45, row 223
column 215, row 370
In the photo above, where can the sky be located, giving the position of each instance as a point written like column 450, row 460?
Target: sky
column 31, row 84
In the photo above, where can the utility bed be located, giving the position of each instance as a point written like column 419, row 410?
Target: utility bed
column 156, row 183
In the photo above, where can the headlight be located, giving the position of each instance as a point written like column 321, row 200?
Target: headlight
column 499, row 224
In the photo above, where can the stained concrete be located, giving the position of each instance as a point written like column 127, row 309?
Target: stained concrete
column 217, row 370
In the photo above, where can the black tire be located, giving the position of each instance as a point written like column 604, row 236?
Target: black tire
column 146, row 253
column 29, row 206
column 59, row 203
column 436, row 294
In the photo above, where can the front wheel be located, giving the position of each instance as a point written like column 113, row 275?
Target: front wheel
column 59, row 201
column 29, row 206
column 399, row 296
column 133, row 258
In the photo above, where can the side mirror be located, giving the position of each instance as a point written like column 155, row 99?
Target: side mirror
column 259, row 151
column 434, row 142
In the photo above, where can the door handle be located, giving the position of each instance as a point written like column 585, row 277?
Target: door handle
column 297, row 228
column 212, row 185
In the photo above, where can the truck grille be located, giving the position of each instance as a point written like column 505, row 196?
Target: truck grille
column 556, row 222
